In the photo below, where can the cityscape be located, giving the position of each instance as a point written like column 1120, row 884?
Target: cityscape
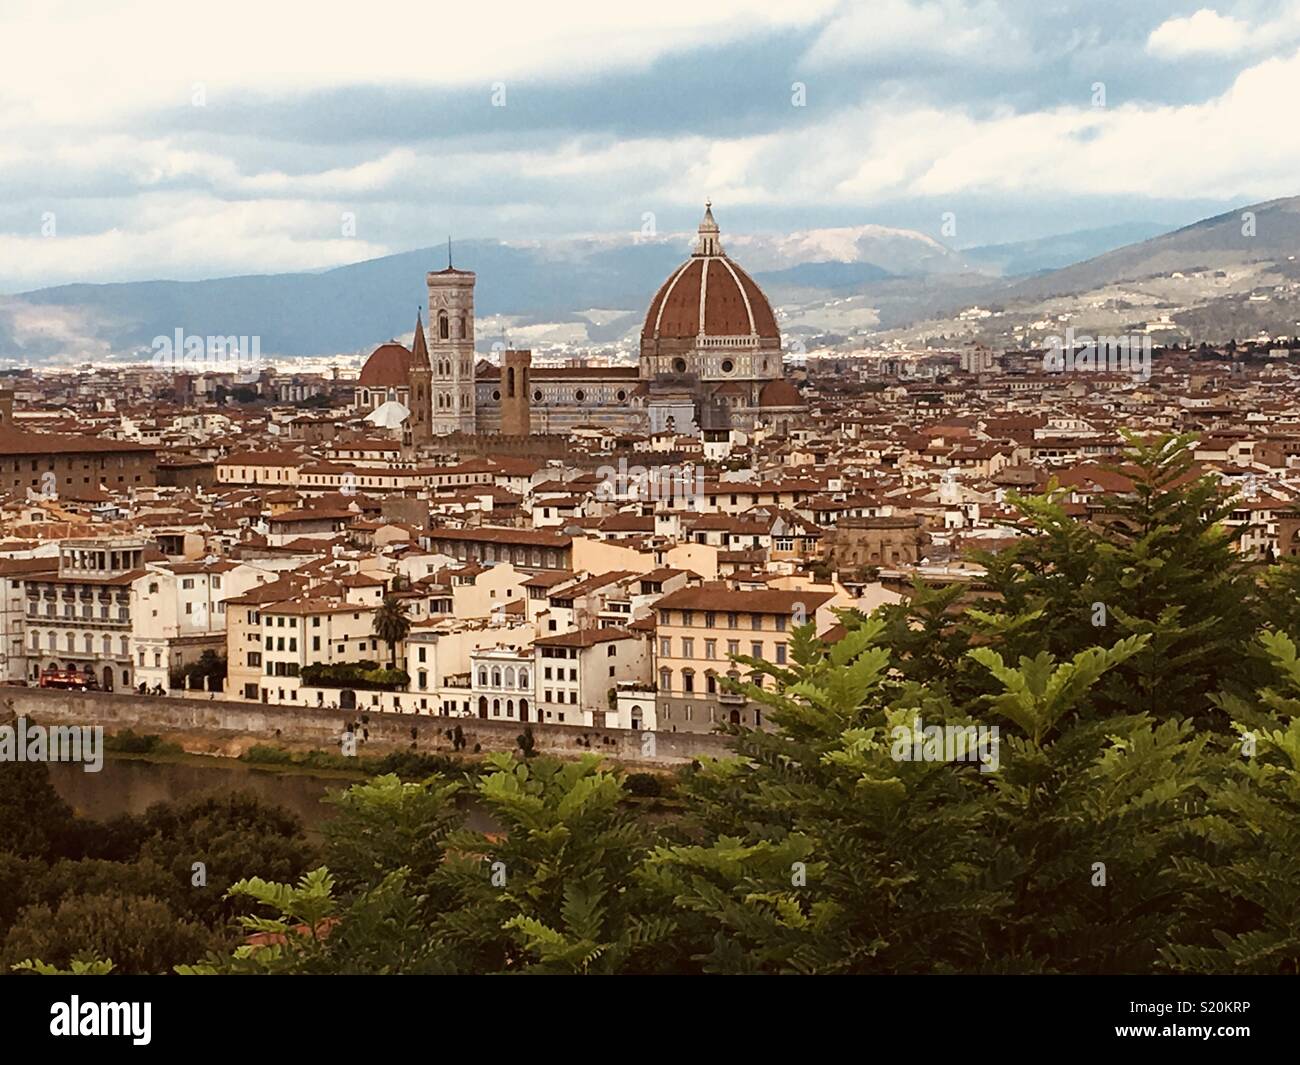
column 662, row 565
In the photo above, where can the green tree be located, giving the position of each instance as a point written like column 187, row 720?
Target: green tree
column 141, row 935
column 391, row 624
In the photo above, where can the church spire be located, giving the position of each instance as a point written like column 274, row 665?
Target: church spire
column 708, row 242
column 419, row 349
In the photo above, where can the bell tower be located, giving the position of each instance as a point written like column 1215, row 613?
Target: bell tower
column 451, row 349
column 420, row 376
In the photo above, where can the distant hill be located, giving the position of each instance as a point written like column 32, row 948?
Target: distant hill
column 1233, row 276
column 1214, row 243
column 353, row 308
column 1215, row 279
column 1052, row 253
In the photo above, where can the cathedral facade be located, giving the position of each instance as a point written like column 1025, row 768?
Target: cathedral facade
column 710, row 359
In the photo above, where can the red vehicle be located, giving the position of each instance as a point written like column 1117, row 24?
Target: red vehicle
column 69, row 679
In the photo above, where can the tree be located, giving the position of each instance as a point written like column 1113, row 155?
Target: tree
column 233, row 835
column 392, row 625
column 557, row 889
column 34, row 820
column 142, row 936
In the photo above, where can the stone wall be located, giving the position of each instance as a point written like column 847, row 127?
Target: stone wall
column 214, row 726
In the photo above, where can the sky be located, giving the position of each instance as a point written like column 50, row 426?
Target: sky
column 144, row 139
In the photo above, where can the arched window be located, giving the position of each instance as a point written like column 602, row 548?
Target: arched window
column 510, row 677
column 496, row 678
column 72, row 642
column 89, row 643
column 510, row 382
column 124, row 646
column 510, row 708
column 460, row 322
column 523, row 679
column 444, row 326
column 496, row 707
column 108, row 645
column 482, row 678
column 665, row 680
column 688, row 680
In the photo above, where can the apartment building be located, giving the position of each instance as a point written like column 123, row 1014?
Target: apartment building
column 310, row 631
column 577, row 673
column 78, row 612
column 699, row 630
column 178, row 611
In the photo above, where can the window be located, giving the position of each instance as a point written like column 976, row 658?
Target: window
column 756, row 649
column 733, row 647
column 665, row 680
column 780, row 623
column 688, row 680
column 710, row 620
column 665, row 647
column 710, row 648
column 688, row 647
column 688, row 617
column 780, row 654
column 733, row 621
column 756, row 621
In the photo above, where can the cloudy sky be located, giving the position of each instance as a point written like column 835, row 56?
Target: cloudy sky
column 157, row 139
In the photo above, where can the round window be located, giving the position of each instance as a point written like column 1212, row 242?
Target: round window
column 621, row 395
column 580, row 395
column 728, row 366
column 537, row 396
column 496, row 393
column 679, row 365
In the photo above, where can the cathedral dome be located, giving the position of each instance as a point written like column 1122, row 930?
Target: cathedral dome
column 389, row 366
column 709, row 295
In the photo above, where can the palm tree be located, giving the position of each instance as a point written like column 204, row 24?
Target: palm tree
column 391, row 625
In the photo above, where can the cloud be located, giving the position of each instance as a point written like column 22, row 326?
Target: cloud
column 1204, row 33
column 975, row 30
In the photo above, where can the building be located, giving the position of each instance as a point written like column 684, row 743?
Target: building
column 78, row 612
column 710, row 359
column 179, row 611
column 699, row 629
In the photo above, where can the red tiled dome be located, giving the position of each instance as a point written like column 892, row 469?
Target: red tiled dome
column 779, row 393
column 709, row 284
column 389, row 366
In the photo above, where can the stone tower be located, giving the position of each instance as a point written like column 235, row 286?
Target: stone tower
column 421, row 399
column 451, row 349
column 516, row 393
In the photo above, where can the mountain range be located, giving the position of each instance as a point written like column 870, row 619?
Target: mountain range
column 839, row 286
